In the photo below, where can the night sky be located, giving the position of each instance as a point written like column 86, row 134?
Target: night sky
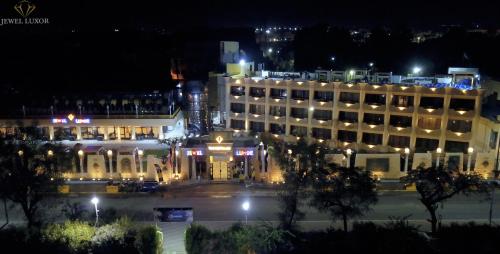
column 223, row 13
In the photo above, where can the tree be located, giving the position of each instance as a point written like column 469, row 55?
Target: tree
column 296, row 162
column 436, row 185
column 343, row 192
column 28, row 170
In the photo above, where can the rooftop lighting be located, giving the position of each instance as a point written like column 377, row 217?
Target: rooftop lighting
column 417, row 70
column 242, row 62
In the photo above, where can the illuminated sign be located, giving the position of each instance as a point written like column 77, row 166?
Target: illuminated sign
column 244, row 153
column 219, row 148
column 194, row 152
column 219, row 139
column 71, row 117
column 59, row 120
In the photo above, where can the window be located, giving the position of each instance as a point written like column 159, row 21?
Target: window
column 321, row 133
column 373, row 118
column 377, row 164
column 431, row 102
column 278, row 93
column 351, row 117
column 349, row 97
column 402, row 101
column 277, row 128
column 238, row 107
column 257, row 109
column 400, row 121
column 372, row 138
column 298, row 131
column 257, row 92
column 277, row 111
column 462, row 104
column 237, row 90
column 299, row 113
column 300, row 94
column 324, row 115
column 456, row 146
column 430, row 123
column 323, row 96
column 257, row 126
column 459, row 125
column 347, row 136
column 423, row 145
column 238, row 124
column 399, row 141
column 375, row 99
column 493, row 139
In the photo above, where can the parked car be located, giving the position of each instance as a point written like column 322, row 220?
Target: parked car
column 149, row 186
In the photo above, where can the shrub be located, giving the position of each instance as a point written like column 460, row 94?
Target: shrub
column 71, row 236
column 197, row 239
column 115, row 238
column 149, row 240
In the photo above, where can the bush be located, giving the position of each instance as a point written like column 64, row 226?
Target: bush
column 70, row 237
column 197, row 239
column 468, row 238
column 115, row 238
column 149, row 240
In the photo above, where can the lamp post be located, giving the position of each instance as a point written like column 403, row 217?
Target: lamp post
column 95, row 201
column 438, row 155
column 407, row 154
column 246, row 207
column 470, row 150
column 80, row 155
column 348, row 152
column 110, row 161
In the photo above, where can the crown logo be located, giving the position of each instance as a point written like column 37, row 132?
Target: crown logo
column 71, row 117
column 219, row 139
column 24, row 8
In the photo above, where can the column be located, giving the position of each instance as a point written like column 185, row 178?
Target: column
column 287, row 115
column 361, row 114
column 193, row 168
column 387, row 115
column 161, row 135
column 266, row 109
column 246, row 167
column 78, row 133
column 106, row 134
column 132, row 135
column 227, row 97
column 444, row 117
column 247, row 106
column 414, row 118
column 335, row 112
column 309, row 107
column 118, row 133
column 51, row 132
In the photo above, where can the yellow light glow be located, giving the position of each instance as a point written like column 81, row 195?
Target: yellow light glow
column 399, row 128
column 277, row 100
column 404, row 88
column 376, row 86
column 401, row 108
column 371, row 146
column 349, row 85
column 433, row 89
column 372, row 126
column 320, row 140
column 236, row 131
column 276, row 135
column 374, row 106
column 298, row 138
column 459, row 134
column 297, row 119
column 255, row 115
column 322, row 103
column 323, row 84
column 428, row 131
column 299, row 101
column 299, row 83
column 236, row 97
column 276, row 117
column 236, row 114
column 277, row 81
column 464, row 91
column 348, row 104
column 397, row 149
column 321, row 121
column 255, row 98
column 346, row 143
column 347, row 124
column 238, row 81
column 461, row 112
column 430, row 110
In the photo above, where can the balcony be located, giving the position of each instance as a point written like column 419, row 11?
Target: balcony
column 458, row 113
column 403, row 89
column 459, row 136
column 349, row 86
column 277, row 119
column 326, row 123
column 430, row 111
column 300, row 84
column 374, row 107
column 323, row 86
column 348, row 105
column 346, row 125
column 422, row 132
column 237, row 115
column 401, row 109
column 432, row 90
column 375, row 88
column 372, row 127
column 256, row 116
column 299, row 102
column 322, row 104
column 277, row 100
column 397, row 130
column 237, row 98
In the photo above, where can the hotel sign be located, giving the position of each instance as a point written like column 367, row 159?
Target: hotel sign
column 71, row 118
column 243, row 152
column 219, row 148
column 194, row 152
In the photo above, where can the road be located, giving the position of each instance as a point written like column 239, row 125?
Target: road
column 219, row 205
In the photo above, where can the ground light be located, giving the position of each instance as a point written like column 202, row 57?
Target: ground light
column 246, row 207
column 95, row 201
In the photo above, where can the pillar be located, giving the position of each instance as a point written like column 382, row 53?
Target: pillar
column 132, row 135
column 51, row 132
column 161, row 135
column 106, row 133
column 246, row 167
column 78, row 133
column 193, row 168
column 118, row 134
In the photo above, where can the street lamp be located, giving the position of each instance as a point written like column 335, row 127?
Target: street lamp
column 417, row 70
column 95, row 201
column 246, row 206
column 348, row 152
column 407, row 153
column 110, row 161
column 438, row 155
column 50, row 153
column 20, row 153
column 140, row 153
column 242, row 62
column 470, row 150
column 80, row 154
